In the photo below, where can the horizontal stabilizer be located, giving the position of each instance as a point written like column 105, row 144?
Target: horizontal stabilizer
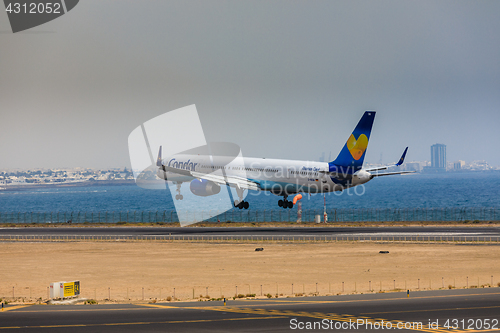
column 391, row 173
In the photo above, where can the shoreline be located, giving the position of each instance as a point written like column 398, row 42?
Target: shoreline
column 32, row 186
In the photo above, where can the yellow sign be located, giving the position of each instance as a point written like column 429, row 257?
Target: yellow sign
column 71, row 288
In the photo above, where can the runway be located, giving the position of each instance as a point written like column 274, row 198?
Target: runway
column 461, row 310
column 446, row 233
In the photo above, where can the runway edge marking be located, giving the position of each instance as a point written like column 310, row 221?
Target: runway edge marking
column 317, row 315
column 15, row 307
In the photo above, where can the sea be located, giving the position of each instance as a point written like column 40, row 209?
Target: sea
column 445, row 190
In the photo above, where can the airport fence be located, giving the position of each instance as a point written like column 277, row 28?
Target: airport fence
column 337, row 286
column 249, row 238
column 473, row 214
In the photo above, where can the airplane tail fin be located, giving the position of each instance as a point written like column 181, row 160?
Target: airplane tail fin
column 351, row 157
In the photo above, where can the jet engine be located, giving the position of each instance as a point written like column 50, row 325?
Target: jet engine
column 204, row 188
column 361, row 177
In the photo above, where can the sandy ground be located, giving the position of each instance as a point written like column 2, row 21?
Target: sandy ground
column 122, row 270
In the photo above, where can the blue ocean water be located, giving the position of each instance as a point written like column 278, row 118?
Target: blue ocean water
column 450, row 190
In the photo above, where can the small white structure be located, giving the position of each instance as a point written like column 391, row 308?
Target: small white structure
column 64, row 289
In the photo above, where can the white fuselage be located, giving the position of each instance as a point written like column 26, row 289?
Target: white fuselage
column 275, row 175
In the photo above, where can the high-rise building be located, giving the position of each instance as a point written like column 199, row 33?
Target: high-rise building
column 438, row 157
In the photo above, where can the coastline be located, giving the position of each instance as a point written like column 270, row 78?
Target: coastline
column 68, row 184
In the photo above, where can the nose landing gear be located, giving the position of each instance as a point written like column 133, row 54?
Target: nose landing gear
column 179, row 196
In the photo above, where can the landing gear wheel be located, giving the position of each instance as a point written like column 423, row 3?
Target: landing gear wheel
column 240, row 203
column 290, row 204
column 176, row 197
column 181, row 196
column 280, row 203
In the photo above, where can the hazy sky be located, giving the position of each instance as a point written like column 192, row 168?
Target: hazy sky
column 283, row 79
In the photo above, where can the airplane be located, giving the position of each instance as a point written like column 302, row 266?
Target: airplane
column 207, row 174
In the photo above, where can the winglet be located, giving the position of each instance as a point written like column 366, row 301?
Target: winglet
column 158, row 160
column 401, row 160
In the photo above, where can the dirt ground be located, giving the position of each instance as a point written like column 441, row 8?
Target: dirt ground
column 125, row 271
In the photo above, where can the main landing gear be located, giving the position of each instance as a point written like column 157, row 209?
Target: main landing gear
column 179, row 196
column 285, row 203
column 240, row 203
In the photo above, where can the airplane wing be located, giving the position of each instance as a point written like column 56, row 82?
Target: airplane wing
column 233, row 181
column 401, row 160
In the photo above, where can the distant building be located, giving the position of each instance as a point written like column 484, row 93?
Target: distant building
column 458, row 165
column 414, row 166
column 480, row 165
column 438, row 158
column 19, row 181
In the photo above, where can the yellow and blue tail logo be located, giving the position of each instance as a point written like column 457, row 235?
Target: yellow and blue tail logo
column 357, row 147
column 352, row 155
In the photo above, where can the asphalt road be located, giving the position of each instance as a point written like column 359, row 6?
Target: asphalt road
column 462, row 309
column 383, row 233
